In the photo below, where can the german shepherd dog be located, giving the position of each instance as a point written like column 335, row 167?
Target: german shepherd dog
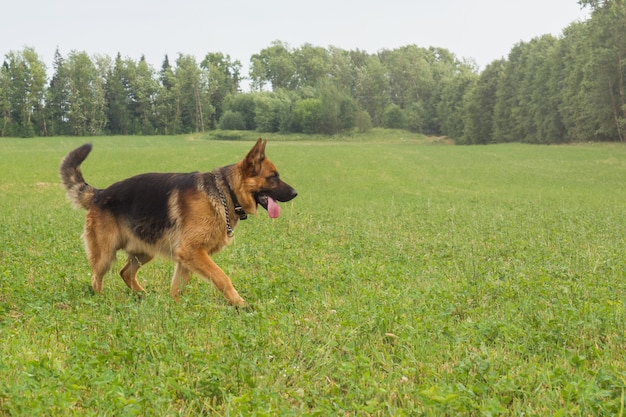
column 186, row 217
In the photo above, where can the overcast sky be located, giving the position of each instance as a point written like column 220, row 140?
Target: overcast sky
column 484, row 30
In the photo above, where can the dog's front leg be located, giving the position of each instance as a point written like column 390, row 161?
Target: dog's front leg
column 201, row 263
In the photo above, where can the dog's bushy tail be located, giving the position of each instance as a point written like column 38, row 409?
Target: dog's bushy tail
column 78, row 191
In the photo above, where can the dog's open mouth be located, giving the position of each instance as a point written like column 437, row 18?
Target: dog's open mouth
column 269, row 204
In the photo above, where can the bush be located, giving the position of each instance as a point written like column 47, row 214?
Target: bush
column 363, row 121
column 394, row 117
column 244, row 104
column 273, row 112
column 413, row 118
column 306, row 115
column 232, row 120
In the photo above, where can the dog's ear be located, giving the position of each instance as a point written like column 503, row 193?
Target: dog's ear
column 254, row 159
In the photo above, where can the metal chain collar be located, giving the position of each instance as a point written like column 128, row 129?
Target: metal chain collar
column 229, row 230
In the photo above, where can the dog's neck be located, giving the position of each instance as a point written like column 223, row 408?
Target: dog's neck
column 239, row 211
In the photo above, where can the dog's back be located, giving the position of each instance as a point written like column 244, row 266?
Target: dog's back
column 145, row 202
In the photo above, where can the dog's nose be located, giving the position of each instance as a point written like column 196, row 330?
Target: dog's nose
column 285, row 193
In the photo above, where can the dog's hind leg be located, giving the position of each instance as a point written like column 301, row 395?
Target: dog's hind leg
column 200, row 262
column 101, row 243
column 179, row 280
column 99, row 267
column 129, row 271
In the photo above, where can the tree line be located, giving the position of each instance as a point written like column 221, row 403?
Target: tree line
column 548, row 90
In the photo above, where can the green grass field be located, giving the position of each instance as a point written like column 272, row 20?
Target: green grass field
column 406, row 278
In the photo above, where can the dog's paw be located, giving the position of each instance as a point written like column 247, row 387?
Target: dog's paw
column 246, row 308
column 234, row 299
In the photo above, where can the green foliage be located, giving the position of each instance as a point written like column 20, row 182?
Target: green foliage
column 601, row 44
column 306, row 115
column 415, row 117
column 167, row 106
column 452, row 103
column 394, row 117
column 274, row 65
column 370, row 79
column 243, row 104
column 86, row 112
column 232, row 120
column 195, row 105
column 144, row 87
column 410, row 74
column 479, row 106
column 272, row 111
column 118, row 98
column 363, row 121
column 534, row 106
column 405, row 279
column 223, row 77
column 23, row 87
column 336, row 112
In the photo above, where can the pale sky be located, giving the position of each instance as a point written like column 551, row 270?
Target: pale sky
column 484, row 30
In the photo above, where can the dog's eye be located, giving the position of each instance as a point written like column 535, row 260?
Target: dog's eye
column 273, row 175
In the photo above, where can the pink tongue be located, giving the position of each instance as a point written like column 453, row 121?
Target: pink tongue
column 273, row 209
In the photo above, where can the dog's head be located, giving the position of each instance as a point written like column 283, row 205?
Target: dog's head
column 261, row 184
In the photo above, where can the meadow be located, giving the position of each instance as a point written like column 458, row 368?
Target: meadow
column 409, row 277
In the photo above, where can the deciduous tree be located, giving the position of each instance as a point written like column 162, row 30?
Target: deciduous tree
column 479, row 106
column 223, row 77
column 195, row 102
column 274, row 65
column 26, row 77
